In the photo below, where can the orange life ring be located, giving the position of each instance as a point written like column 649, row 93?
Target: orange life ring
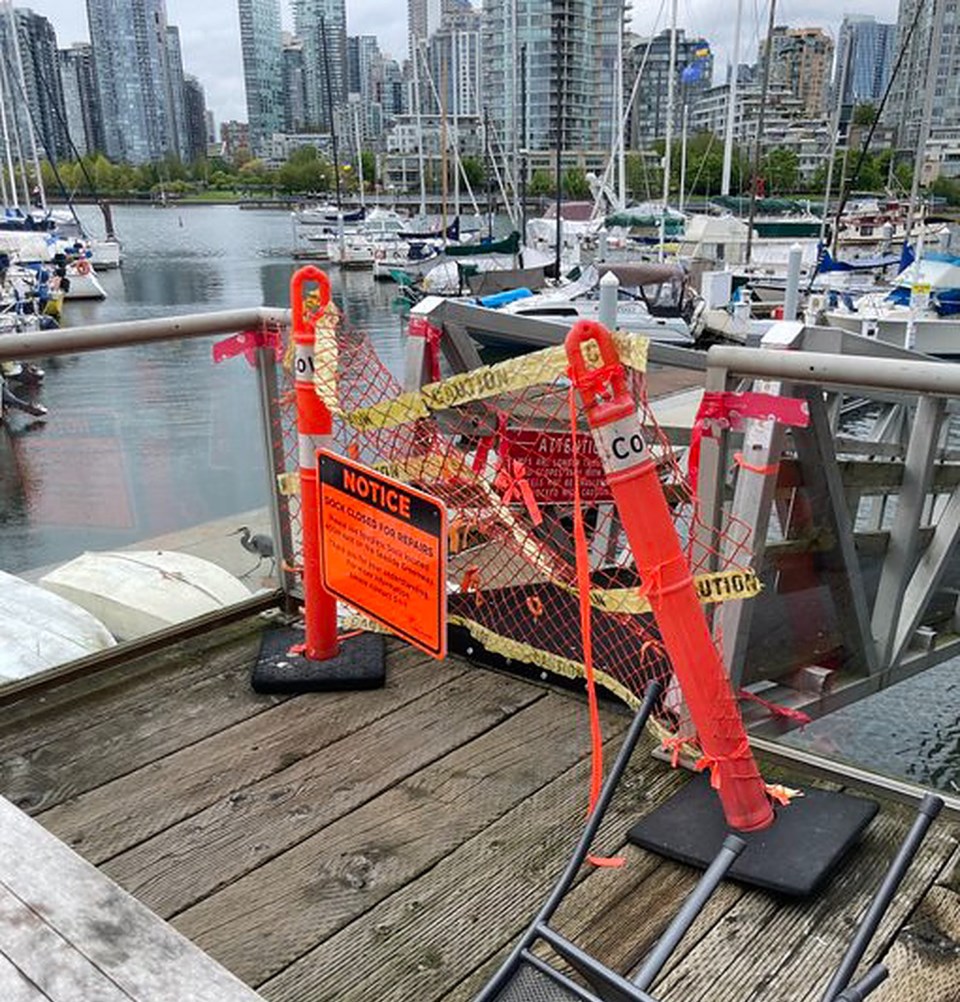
column 83, row 266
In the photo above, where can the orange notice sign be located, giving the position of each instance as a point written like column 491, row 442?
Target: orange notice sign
column 383, row 550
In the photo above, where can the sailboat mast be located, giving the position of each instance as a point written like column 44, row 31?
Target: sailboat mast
column 22, row 82
column 731, row 105
column 559, row 48
column 930, row 85
column 356, row 132
column 443, row 144
column 671, row 99
column 456, row 123
column 834, row 137
column 683, row 153
column 8, row 153
column 415, row 45
column 758, row 146
column 523, row 142
column 621, row 146
column 333, row 128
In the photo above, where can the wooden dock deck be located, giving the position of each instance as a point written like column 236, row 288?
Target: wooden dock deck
column 390, row 845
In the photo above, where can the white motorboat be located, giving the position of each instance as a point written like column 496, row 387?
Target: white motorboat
column 921, row 311
column 136, row 592
column 42, row 630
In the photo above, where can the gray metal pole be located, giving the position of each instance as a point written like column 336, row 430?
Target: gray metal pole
column 930, row 807
column 758, row 148
column 792, row 295
column 73, row 340
column 732, row 846
column 940, row 378
column 609, row 287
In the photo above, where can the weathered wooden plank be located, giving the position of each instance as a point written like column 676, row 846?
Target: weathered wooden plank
column 140, row 955
column 308, row 893
column 15, row 986
column 428, row 935
column 142, row 727
column 197, row 856
column 600, row 915
column 40, row 956
column 73, row 706
column 763, row 949
column 105, row 821
column 924, row 961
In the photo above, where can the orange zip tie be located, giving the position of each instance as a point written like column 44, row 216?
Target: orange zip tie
column 457, row 532
column 674, row 745
column 471, row 582
column 770, row 470
column 782, row 794
column 535, row 606
column 709, row 762
column 353, row 451
column 511, row 480
column 583, row 587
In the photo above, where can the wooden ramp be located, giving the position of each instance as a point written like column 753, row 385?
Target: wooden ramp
column 391, row 845
column 70, row 934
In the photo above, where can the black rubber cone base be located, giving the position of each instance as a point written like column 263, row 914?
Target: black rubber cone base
column 361, row 664
column 794, row 856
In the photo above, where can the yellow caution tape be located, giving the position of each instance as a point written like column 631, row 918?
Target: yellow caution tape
column 325, row 359
column 288, row 484
column 514, row 374
column 720, row 586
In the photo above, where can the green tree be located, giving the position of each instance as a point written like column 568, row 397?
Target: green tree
column 781, row 170
column 542, row 183
column 864, row 114
column 305, row 171
column 575, row 184
column 474, row 172
column 369, row 162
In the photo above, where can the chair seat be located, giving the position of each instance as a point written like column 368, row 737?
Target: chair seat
column 531, row 985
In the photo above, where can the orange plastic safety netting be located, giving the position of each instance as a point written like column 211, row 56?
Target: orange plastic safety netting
column 497, row 447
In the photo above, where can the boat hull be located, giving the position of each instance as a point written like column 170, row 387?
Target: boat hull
column 138, row 592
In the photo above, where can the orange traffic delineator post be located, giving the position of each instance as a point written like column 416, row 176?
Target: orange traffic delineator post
column 663, row 567
column 320, row 661
column 790, row 850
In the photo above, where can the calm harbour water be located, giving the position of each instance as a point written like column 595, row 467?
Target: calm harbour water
column 144, row 441
column 148, row 440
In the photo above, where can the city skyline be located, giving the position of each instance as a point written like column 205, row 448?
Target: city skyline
column 210, row 32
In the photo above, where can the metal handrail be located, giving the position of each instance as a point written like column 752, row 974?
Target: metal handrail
column 918, row 376
column 73, row 340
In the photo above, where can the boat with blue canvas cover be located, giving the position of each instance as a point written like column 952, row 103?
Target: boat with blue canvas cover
column 921, row 310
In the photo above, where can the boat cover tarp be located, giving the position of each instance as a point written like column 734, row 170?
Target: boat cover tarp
column 828, row 263
column 499, row 299
column 509, row 245
column 643, row 273
column 452, row 232
column 673, row 225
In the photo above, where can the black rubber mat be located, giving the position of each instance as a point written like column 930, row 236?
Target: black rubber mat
column 793, row 857
column 359, row 665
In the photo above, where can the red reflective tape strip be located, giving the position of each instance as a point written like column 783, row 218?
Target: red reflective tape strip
column 771, row 469
column 246, row 343
column 727, row 409
column 798, row 716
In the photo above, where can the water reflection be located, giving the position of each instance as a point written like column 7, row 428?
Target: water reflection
column 147, row 440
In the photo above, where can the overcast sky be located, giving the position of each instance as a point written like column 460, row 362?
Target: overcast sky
column 210, row 30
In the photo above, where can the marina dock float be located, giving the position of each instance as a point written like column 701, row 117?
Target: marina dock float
column 392, row 844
